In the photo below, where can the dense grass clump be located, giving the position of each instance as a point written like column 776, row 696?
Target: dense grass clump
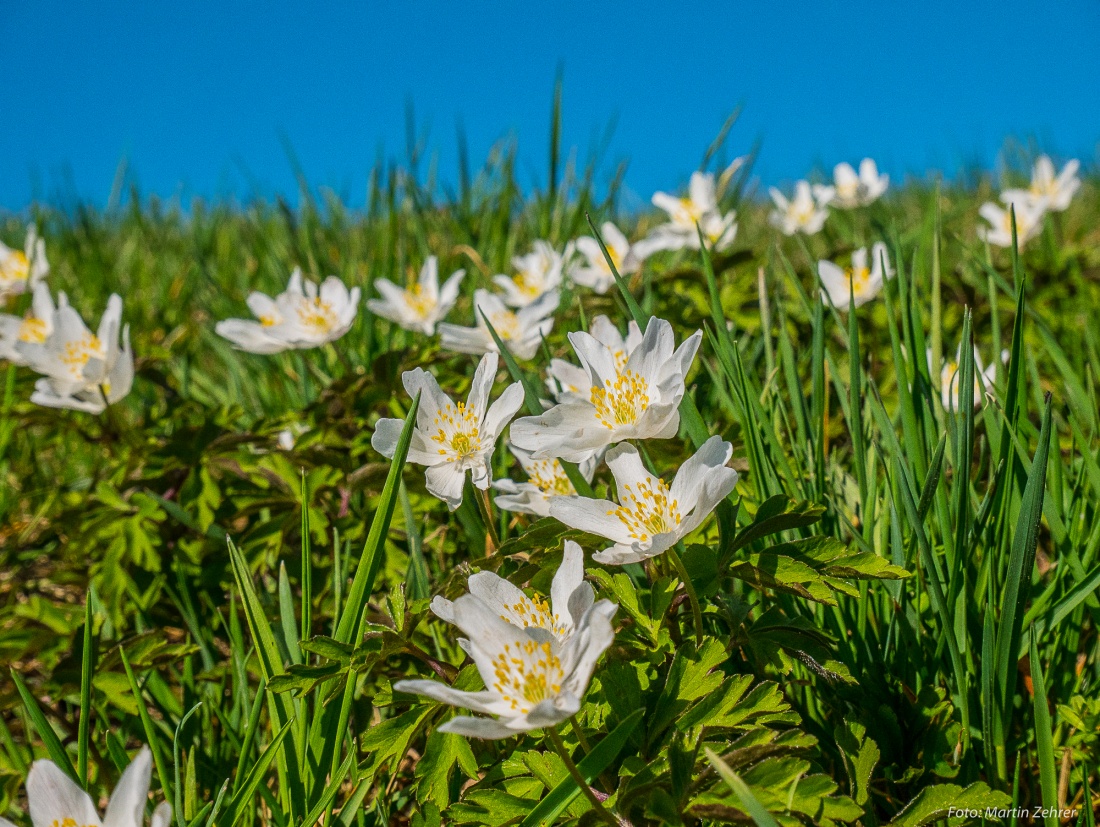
column 893, row 615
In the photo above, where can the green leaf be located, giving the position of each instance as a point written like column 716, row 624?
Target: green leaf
column 746, row 801
column 935, row 802
column 598, row 760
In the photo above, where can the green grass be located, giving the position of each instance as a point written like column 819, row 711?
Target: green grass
column 168, row 576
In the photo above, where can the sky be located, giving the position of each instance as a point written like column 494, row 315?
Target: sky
column 204, row 98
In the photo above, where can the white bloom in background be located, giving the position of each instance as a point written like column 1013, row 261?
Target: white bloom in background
column 81, row 370
column 568, row 380
column 651, row 517
column 537, row 273
column 420, row 306
column 33, row 328
column 595, row 271
column 571, row 597
column 699, row 207
column 864, row 282
column 302, row 316
column 1047, row 190
column 55, row 800
column 802, row 214
column 951, row 375
column 546, row 479
column 850, row 190
column 533, row 679
column 21, row 270
column 521, row 330
column 451, row 439
column 1029, row 221
column 638, row 400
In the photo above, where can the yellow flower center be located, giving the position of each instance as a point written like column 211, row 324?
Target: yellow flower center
column 621, row 402
column 317, row 315
column 534, row 612
column 529, row 285
column 647, row 510
column 268, row 321
column 14, row 267
column 77, row 352
column 860, row 277
column 68, row 822
column 419, row 303
column 549, row 477
column 506, row 324
column 33, row 330
column 691, row 210
column 459, row 431
column 527, row 673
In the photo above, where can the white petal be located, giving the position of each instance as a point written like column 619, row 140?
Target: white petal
column 54, row 797
column 127, row 805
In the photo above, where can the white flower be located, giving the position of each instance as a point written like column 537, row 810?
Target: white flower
column 651, row 517
column 1029, row 221
column 866, row 282
column 537, row 273
column 802, row 214
column 300, row 317
column 568, row 380
column 595, row 272
column 851, row 190
column 34, row 327
column 55, row 800
column 1054, row 192
column 535, row 675
column 81, row 371
column 699, row 207
column 21, row 270
column 452, row 439
column 951, row 374
column 638, row 400
column 423, row 304
column 546, row 479
column 522, row 330
column 571, row 596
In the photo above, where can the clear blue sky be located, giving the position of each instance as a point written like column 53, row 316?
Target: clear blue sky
column 199, row 96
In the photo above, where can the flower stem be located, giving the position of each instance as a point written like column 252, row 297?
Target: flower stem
column 492, row 541
column 693, row 598
column 563, row 754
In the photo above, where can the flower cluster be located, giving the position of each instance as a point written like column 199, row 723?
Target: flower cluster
column 1049, row 192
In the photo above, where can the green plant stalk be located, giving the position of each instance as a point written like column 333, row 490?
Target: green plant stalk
column 563, row 754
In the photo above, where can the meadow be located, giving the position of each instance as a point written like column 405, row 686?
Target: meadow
column 887, row 615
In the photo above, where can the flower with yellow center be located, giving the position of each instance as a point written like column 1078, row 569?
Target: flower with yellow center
column 850, row 189
column 452, row 439
column 1029, row 220
column 31, row 329
column 546, row 479
column 651, row 516
column 859, row 282
column 686, row 216
column 1048, row 190
column 638, row 400
column 521, row 330
column 80, row 370
column 535, row 660
column 302, row 316
column 22, row 270
column 595, row 272
column 553, row 621
column 55, row 800
column 537, row 273
column 805, row 213
column 568, row 380
column 423, row 304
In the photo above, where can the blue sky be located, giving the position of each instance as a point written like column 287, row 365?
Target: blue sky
column 199, row 97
